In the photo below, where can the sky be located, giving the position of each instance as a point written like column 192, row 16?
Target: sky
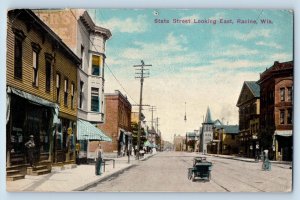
column 203, row 64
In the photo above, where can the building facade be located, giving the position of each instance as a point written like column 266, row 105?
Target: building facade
column 206, row 132
column 37, row 101
column 179, row 143
column 276, row 110
column 249, row 110
column 87, row 41
column 117, row 124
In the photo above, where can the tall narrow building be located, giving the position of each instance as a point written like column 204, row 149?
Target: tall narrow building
column 207, row 132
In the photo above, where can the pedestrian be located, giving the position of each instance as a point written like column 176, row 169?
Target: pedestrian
column 99, row 159
column 30, row 145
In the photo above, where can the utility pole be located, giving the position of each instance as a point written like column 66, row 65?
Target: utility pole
column 141, row 73
column 152, row 109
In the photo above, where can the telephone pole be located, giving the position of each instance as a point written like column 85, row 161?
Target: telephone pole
column 140, row 73
column 152, row 109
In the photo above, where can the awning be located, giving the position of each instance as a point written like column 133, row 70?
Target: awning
column 284, row 133
column 35, row 99
column 87, row 131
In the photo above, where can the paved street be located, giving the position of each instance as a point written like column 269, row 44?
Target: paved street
column 167, row 171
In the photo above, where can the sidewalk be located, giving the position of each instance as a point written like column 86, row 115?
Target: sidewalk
column 72, row 179
column 249, row 159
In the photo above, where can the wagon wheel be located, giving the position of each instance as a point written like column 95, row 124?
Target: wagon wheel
column 209, row 176
column 190, row 174
column 193, row 177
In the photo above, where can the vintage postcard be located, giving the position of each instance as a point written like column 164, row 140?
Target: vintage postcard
column 149, row 100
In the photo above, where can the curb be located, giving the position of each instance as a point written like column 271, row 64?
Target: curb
column 86, row 186
column 253, row 161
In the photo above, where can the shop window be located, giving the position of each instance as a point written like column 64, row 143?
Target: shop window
column 58, row 88
column 66, row 85
column 96, row 61
column 282, row 94
column 281, row 116
column 95, row 99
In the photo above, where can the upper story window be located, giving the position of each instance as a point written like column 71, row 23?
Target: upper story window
column 18, row 52
column 81, row 94
column 289, row 116
column 95, row 99
column 72, row 95
column 82, row 55
column 35, row 63
column 282, row 94
column 57, row 88
column 290, row 94
column 48, row 58
column 66, row 85
column 96, row 65
column 281, row 116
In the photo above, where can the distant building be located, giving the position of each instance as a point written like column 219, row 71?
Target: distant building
column 179, row 143
column 249, row 110
column 191, row 141
column 276, row 110
column 206, row 132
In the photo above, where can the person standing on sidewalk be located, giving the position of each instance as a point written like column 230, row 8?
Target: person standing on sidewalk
column 99, row 159
column 30, row 145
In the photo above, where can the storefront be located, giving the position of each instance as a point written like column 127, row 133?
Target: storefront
column 283, row 145
column 28, row 115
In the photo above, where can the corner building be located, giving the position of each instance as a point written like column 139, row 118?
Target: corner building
column 276, row 110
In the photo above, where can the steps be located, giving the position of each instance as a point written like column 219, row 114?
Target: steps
column 38, row 170
column 14, row 174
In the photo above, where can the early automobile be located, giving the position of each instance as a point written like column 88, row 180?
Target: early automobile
column 201, row 169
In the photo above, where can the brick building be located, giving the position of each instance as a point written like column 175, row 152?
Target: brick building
column 249, row 109
column 276, row 110
column 117, row 124
column 41, row 91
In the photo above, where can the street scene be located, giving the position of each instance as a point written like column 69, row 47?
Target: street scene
column 149, row 100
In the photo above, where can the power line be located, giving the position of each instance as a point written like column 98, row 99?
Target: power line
column 120, row 83
column 104, row 62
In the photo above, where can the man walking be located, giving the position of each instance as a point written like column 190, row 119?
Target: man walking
column 30, row 145
column 99, row 158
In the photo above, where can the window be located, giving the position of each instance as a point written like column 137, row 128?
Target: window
column 290, row 94
column 281, row 116
column 18, row 52
column 282, row 94
column 35, row 68
column 48, row 75
column 96, row 61
column 18, row 58
column 95, row 100
column 66, row 92
column 289, row 116
column 81, row 94
column 82, row 55
column 57, row 88
column 72, row 95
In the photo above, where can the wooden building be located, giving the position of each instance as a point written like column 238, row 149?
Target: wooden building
column 41, row 76
column 249, row 110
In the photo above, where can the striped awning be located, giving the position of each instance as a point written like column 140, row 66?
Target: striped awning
column 87, row 131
